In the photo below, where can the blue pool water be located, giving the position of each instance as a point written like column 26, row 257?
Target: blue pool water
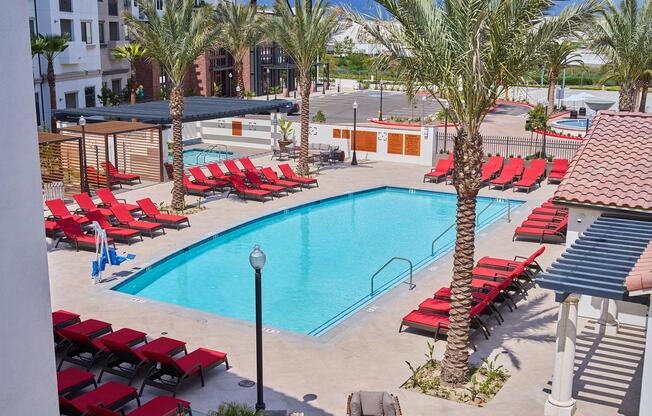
column 574, row 123
column 320, row 258
column 190, row 157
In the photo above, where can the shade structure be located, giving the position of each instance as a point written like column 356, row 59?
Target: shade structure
column 195, row 109
column 598, row 262
column 59, row 156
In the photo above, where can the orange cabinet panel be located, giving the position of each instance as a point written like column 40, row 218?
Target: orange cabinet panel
column 236, row 128
column 395, row 143
column 412, row 145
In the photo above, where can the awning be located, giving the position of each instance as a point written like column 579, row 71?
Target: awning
column 196, row 108
column 598, row 262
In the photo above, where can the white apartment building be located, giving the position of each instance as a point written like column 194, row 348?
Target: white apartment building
column 112, row 32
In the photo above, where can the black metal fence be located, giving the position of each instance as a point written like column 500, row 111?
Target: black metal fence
column 509, row 146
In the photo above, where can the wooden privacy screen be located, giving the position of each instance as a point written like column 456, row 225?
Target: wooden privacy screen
column 138, row 152
column 412, row 145
column 96, row 153
column 337, row 133
column 236, row 128
column 60, row 163
column 395, row 143
column 366, row 141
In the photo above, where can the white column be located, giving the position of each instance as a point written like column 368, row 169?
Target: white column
column 608, row 323
column 561, row 402
column 28, row 385
column 646, row 377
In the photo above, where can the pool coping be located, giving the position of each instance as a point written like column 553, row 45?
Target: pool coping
column 335, row 321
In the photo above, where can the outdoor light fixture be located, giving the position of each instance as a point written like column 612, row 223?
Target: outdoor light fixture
column 354, row 159
column 445, row 124
column 380, row 113
column 82, row 156
column 423, row 111
column 257, row 260
column 269, row 81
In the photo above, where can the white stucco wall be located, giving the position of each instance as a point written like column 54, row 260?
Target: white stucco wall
column 28, row 383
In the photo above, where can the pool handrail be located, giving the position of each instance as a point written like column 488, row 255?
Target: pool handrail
column 208, row 150
column 412, row 285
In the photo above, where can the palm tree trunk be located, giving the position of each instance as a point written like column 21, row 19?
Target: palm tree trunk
column 468, row 162
column 644, row 90
column 53, row 97
column 176, row 113
column 133, row 83
column 627, row 96
column 239, row 77
column 552, row 84
column 304, row 84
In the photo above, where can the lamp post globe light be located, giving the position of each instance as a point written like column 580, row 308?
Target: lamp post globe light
column 257, row 260
column 230, row 82
column 82, row 156
column 354, row 159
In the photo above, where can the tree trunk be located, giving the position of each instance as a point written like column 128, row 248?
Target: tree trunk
column 53, row 97
column 468, row 162
column 133, row 83
column 644, row 90
column 552, row 84
column 176, row 113
column 304, row 84
column 239, row 78
column 627, row 96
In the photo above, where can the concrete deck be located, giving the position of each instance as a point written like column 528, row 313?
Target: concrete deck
column 364, row 352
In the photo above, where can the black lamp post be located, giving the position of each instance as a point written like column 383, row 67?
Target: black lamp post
column 268, row 82
column 354, row 160
column 82, row 162
column 230, row 81
column 380, row 113
column 257, row 260
column 445, row 125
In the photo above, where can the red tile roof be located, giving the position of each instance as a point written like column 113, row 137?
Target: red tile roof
column 640, row 277
column 613, row 167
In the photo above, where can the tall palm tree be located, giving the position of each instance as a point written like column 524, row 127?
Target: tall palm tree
column 624, row 37
column 557, row 57
column 131, row 52
column 174, row 40
column 303, row 34
column 50, row 46
column 466, row 50
column 239, row 29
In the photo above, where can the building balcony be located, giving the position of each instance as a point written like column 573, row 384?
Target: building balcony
column 74, row 53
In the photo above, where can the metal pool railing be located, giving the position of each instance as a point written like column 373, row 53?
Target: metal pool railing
column 412, row 285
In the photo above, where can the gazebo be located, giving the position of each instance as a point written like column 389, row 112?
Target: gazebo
column 59, row 155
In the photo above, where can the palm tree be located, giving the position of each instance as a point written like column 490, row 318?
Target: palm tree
column 624, row 37
column 50, row 46
column 557, row 57
column 303, row 34
column 466, row 51
column 239, row 29
column 131, row 52
column 174, row 40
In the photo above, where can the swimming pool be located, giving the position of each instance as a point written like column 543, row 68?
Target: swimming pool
column 571, row 123
column 320, row 258
column 194, row 157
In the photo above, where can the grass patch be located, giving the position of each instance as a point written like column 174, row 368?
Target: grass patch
column 485, row 381
column 187, row 209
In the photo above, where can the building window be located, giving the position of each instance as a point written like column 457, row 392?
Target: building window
column 100, row 27
column 116, row 85
column 86, row 32
column 38, row 109
column 32, row 27
column 159, row 4
column 71, row 99
column 113, row 7
column 89, row 96
column 114, row 31
column 66, row 28
column 65, row 5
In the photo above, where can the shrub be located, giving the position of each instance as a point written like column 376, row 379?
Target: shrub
column 233, row 409
column 319, row 117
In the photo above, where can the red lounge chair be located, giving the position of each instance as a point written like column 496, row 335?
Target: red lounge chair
column 191, row 188
column 93, row 328
column 117, row 233
column 273, row 178
column 550, row 211
column 202, row 179
column 85, row 351
column 62, row 319
column 109, row 200
column 244, row 192
column 439, row 172
column 170, row 373
column 528, row 263
column 509, row 174
column 249, row 165
column 257, row 183
column 99, row 179
column 52, row 229
column 87, row 205
column 289, row 174
column 539, row 224
column 152, row 213
column 125, row 219
column 76, row 237
column 544, row 217
column 435, row 322
column 73, row 379
column 541, row 233
column 158, row 406
column 59, row 211
column 558, row 170
column 125, row 361
column 114, row 173
column 111, row 395
column 532, row 175
column 217, row 172
column 233, row 168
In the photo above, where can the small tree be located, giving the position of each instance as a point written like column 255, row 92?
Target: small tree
column 50, row 46
column 131, row 52
column 286, row 128
column 559, row 56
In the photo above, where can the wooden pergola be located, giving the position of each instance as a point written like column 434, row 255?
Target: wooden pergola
column 60, row 156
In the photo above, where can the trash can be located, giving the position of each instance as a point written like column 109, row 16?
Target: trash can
column 573, row 114
column 582, row 111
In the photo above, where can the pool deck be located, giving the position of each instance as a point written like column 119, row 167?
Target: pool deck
column 365, row 352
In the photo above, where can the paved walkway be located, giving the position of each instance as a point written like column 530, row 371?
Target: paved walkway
column 315, row 374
